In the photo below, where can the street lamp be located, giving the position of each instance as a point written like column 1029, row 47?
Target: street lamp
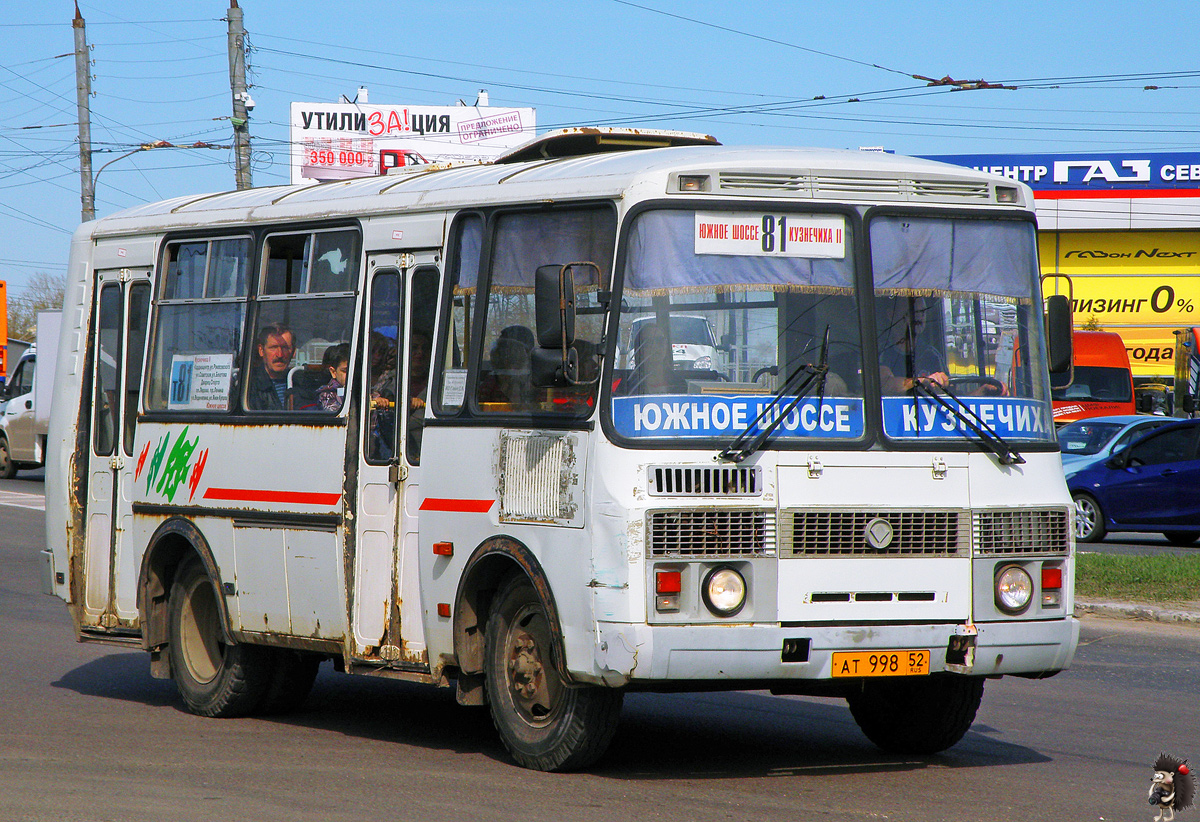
column 89, row 209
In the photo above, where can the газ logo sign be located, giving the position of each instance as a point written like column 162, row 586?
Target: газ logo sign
column 1103, row 170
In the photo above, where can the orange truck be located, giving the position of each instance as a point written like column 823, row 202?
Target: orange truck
column 1102, row 381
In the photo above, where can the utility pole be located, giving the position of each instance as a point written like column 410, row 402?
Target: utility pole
column 83, row 95
column 237, row 83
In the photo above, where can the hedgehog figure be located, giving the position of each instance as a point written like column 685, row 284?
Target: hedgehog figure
column 1172, row 788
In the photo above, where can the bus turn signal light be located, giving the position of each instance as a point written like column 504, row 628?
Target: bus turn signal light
column 1052, row 587
column 667, row 585
column 668, row 582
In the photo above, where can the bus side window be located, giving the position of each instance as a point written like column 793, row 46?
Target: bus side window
column 463, row 265
column 381, row 366
column 199, row 314
column 306, row 306
column 423, row 303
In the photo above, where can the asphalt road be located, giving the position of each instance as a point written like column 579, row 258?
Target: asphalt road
column 86, row 734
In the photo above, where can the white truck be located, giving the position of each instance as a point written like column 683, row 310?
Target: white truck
column 25, row 401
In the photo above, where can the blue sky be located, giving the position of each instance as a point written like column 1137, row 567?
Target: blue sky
column 748, row 73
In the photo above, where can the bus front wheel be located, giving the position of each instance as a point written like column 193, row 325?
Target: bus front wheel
column 546, row 724
column 8, row 468
column 214, row 677
column 917, row 715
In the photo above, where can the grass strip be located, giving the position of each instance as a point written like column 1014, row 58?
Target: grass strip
column 1137, row 578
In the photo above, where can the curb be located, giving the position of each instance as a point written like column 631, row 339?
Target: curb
column 1137, row 611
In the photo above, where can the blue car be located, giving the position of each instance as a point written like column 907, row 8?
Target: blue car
column 1153, row 484
column 1095, row 439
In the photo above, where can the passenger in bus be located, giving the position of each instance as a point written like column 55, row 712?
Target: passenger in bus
column 509, row 381
column 419, row 350
column 383, row 372
column 653, row 364
column 336, row 361
column 268, row 377
column 382, row 375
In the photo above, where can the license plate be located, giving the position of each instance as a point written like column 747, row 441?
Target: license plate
column 881, row 663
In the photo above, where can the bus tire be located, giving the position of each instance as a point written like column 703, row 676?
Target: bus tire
column 546, row 724
column 1089, row 519
column 214, row 678
column 8, row 468
column 916, row 715
column 292, row 676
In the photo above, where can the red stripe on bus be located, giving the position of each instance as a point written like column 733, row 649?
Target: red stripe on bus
column 458, row 506
column 257, row 495
column 1115, row 193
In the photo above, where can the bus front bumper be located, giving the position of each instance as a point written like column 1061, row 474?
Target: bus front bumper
column 631, row 654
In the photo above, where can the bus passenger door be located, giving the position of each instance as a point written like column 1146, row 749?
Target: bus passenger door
column 110, row 561
column 384, row 594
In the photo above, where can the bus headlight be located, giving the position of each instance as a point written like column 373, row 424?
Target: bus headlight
column 724, row 591
column 1014, row 589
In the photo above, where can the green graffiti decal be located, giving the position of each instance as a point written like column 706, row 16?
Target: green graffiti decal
column 160, row 451
column 176, row 470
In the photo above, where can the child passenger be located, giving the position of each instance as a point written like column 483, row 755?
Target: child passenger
column 333, row 393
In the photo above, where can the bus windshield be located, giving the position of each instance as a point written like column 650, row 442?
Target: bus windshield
column 954, row 300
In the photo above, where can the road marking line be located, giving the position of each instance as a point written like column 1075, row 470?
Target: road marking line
column 18, row 500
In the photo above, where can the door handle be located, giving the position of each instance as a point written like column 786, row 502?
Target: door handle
column 1168, row 472
column 28, row 404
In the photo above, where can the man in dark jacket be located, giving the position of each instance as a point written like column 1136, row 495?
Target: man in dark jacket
column 268, row 377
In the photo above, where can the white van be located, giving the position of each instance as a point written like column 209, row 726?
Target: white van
column 25, row 406
column 693, row 344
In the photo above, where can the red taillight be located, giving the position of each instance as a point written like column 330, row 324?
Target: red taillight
column 443, row 549
column 443, row 609
column 668, row 582
column 1051, row 578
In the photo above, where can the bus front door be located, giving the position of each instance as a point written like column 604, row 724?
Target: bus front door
column 402, row 301
column 121, row 314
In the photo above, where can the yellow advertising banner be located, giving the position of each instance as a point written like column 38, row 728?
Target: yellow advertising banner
column 1120, row 252
column 1151, row 350
column 1141, row 284
column 1160, row 299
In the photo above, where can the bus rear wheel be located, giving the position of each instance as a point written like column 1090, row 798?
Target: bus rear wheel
column 546, row 724
column 214, row 677
column 917, row 715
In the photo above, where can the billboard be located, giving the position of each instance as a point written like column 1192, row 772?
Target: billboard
column 1126, row 174
column 338, row 141
column 1140, row 284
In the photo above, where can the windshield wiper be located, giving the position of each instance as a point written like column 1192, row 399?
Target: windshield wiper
column 1005, row 453
column 814, row 378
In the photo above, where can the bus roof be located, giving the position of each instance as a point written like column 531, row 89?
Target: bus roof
column 759, row 172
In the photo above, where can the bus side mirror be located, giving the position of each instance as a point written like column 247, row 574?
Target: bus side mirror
column 553, row 360
column 554, row 305
column 1058, row 333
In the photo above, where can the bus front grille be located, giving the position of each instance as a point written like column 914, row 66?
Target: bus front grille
column 1015, row 532
column 834, row 533
column 711, row 533
column 704, row 480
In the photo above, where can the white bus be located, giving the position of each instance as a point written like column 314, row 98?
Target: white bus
column 381, row 421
